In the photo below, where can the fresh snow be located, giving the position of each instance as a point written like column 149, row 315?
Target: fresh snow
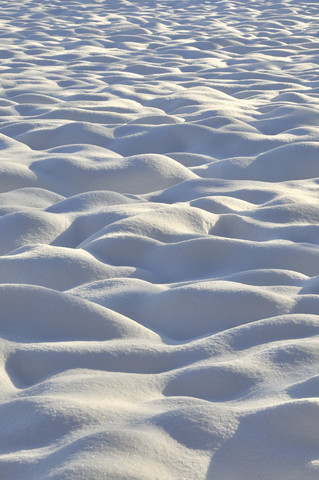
column 159, row 231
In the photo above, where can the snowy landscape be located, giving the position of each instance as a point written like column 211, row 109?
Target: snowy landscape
column 159, row 232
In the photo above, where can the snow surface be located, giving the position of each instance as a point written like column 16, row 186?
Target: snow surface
column 159, row 230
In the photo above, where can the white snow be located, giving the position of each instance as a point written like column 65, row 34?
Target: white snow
column 159, row 232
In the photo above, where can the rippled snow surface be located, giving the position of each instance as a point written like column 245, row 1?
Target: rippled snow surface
column 159, row 229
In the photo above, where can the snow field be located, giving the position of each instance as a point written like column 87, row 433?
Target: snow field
column 159, row 229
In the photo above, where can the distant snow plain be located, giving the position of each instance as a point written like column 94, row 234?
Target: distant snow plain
column 159, row 230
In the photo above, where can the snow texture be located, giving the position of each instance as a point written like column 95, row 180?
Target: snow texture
column 159, row 231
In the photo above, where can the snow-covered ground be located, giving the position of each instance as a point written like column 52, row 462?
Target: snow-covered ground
column 159, row 231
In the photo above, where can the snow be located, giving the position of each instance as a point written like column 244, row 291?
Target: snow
column 159, row 231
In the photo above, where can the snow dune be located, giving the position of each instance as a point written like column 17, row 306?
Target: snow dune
column 159, row 231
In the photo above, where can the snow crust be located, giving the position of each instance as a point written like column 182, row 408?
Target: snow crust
column 159, row 230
